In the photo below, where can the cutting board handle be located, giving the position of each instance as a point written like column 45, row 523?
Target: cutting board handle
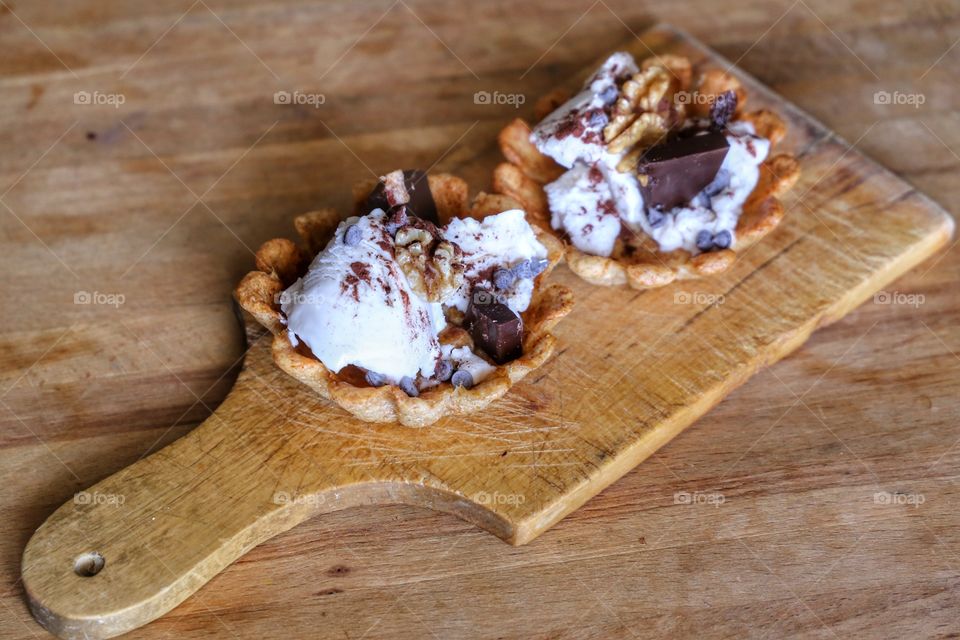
column 135, row 545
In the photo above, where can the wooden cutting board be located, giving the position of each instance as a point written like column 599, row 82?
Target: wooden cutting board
column 632, row 370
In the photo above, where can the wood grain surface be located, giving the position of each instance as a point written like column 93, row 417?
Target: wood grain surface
column 818, row 497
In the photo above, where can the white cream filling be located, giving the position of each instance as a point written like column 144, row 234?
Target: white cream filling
column 577, row 204
column 501, row 240
column 553, row 137
column 463, row 359
column 355, row 307
column 734, row 183
column 582, row 204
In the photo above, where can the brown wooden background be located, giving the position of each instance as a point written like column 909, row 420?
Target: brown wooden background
column 159, row 200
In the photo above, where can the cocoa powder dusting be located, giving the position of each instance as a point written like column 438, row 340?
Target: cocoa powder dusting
column 607, row 208
column 362, row 271
column 572, row 125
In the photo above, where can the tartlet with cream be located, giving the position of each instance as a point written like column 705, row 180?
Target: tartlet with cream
column 416, row 307
column 648, row 176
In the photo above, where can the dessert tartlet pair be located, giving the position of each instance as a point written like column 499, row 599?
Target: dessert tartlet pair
column 420, row 305
column 417, row 306
column 646, row 175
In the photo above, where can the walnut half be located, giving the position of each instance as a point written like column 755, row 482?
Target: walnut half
column 433, row 268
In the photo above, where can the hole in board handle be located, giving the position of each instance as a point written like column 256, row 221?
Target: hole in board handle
column 88, row 564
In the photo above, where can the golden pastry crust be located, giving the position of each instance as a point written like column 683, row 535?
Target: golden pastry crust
column 636, row 259
column 280, row 262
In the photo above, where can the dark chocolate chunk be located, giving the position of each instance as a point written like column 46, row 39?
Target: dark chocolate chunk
column 723, row 240
column 352, row 235
column 673, row 172
column 497, row 330
column 409, row 387
column 597, row 118
column 722, row 109
column 443, row 371
column 503, row 278
column 719, row 183
column 462, row 379
column 375, row 379
column 421, row 203
column 609, row 95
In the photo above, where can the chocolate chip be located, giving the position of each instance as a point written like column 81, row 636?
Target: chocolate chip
column 375, row 379
column 722, row 109
column 720, row 182
column 462, row 379
column 352, row 235
column 723, row 239
column 531, row 268
column 597, row 118
column 443, row 371
column 655, row 216
column 704, row 240
column 609, row 95
column 409, row 387
column 503, row 278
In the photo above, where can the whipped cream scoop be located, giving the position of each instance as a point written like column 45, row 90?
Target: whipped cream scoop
column 355, row 307
column 594, row 203
column 504, row 240
column 710, row 219
column 573, row 132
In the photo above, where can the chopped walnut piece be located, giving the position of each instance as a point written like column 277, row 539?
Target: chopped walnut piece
column 433, row 268
column 679, row 68
column 644, row 112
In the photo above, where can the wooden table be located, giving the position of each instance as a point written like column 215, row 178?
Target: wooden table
column 143, row 156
